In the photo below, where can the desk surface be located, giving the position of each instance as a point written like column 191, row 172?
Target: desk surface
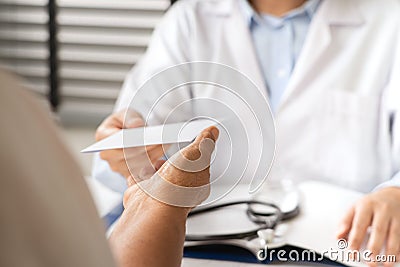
column 322, row 207
column 212, row 263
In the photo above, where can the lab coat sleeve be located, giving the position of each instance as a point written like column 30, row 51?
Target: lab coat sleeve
column 393, row 104
column 169, row 46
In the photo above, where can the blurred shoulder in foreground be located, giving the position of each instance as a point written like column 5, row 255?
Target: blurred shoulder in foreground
column 47, row 215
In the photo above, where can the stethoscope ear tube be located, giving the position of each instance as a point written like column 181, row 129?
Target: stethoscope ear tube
column 284, row 215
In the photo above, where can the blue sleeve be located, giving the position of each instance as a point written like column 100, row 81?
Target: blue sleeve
column 113, row 181
column 101, row 172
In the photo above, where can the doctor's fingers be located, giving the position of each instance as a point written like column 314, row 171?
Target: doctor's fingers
column 393, row 240
column 345, row 225
column 148, row 171
column 119, row 166
column 127, row 118
column 152, row 152
column 145, row 173
column 139, row 156
column 362, row 220
column 379, row 231
column 140, row 169
column 136, row 158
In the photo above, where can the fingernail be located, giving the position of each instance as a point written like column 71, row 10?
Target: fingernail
column 340, row 230
column 215, row 132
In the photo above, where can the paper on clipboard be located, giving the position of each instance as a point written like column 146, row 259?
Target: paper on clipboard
column 152, row 135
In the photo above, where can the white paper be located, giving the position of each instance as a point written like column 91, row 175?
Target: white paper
column 152, row 135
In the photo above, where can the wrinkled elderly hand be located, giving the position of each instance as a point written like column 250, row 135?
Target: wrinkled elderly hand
column 380, row 211
column 183, row 180
column 151, row 225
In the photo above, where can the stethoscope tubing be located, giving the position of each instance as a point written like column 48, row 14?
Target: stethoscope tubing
column 264, row 220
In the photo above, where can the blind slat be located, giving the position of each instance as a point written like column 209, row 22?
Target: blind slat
column 100, row 58
column 153, row 5
column 21, row 34
column 91, row 75
column 23, row 3
column 103, row 40
column 92, row 93
column 98, row 43
column 112, row 21
column 23, row 41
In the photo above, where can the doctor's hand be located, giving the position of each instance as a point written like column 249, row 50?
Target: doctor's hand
column 136, row 157
column 380, row 211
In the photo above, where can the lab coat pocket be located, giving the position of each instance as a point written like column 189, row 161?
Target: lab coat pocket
column 347, row 123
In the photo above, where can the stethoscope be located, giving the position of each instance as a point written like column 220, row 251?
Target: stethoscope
column 266, row 221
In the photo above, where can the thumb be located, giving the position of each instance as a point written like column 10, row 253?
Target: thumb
column 197, row 156
column 211, row 132
column 203, row 145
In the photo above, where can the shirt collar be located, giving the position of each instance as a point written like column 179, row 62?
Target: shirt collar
column 309, row 7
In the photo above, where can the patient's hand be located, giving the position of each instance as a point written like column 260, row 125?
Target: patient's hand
column 189, row 168
column 151, row 233
column 381, row 211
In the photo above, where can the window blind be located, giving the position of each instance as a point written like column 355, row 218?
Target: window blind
column 23, row 41
column 99, row 41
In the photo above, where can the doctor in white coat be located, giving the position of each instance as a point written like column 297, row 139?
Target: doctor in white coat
column 334, row 88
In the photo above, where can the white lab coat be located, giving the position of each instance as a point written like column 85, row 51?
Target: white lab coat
column 334, row 118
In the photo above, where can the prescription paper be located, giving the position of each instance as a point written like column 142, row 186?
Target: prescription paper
column 152, row 135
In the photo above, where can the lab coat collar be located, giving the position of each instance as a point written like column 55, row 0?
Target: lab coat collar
column 343, row 13
column 216, row 7
column 337, row 12
column 243, row 55
column 309, row 7
column 331, row 13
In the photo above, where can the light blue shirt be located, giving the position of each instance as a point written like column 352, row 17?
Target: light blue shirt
column 278, row 42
